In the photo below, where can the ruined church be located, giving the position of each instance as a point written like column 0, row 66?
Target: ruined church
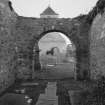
column 19, row 37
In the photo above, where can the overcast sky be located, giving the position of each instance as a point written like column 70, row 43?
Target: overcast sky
column 65, row 8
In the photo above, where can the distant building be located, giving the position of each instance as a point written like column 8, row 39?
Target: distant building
column 51, row 40
column 49, row 13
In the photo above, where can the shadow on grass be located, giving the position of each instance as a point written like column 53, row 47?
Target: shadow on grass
column 17, row 90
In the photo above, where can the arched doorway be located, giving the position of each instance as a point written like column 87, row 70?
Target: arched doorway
column 55, row 51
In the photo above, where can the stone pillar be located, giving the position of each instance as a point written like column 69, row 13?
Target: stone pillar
column 36, row 61
column 82, row 66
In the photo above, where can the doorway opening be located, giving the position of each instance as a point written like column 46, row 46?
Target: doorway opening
column 57, row 54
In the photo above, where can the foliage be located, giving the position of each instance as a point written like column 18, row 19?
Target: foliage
column 81, row 17
column 99, row 8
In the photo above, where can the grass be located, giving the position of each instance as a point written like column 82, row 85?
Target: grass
column 12, row 97
column 58, row 71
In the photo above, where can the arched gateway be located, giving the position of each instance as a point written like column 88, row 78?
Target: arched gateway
column 28, row 31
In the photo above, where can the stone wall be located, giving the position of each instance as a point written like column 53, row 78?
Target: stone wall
column 83, row 55
column 28, row 31
column 97, row 46
column 7, row 61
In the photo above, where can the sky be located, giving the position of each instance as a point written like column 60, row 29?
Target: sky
column 65, row 38
column 65, row 8
column 56, row 37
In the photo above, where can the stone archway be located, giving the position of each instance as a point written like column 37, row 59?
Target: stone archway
column 36, row 47
column 81, row 54
column 29, row 31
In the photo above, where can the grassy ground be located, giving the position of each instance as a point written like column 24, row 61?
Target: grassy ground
column 13, row 97
column 59, row 71
column 62, row 74
column 63, row 88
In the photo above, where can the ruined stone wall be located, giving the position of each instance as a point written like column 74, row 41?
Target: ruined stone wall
column 97, row 46
column 28, row 31
column 7, row 62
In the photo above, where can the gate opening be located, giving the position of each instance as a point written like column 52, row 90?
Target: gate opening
column 57, row 54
